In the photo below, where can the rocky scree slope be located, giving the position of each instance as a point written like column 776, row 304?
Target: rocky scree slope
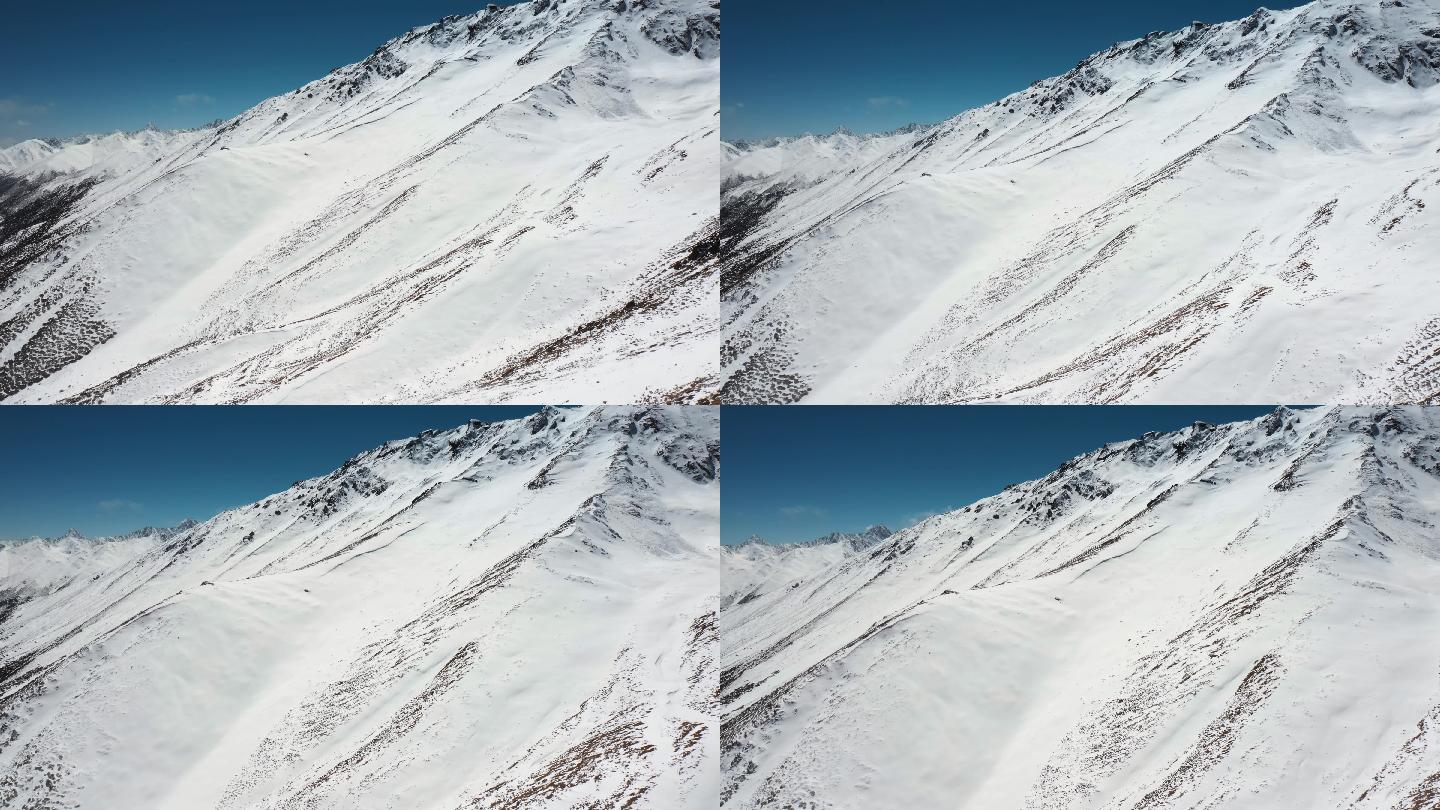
column 505, row 615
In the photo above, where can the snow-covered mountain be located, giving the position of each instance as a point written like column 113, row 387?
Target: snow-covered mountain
column 513, row 205
column 755, row 568
column 806, row 159
column 505, row 615
column 41, row 565
column 107, row 155
column 1236, row 616
column 1240, row 212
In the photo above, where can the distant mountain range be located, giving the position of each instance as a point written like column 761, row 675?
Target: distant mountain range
column 755, row 567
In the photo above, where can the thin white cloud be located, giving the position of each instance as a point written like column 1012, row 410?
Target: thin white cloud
column 887, row 102
column 921, row 517
column 17, row 116
column 119, row 505
column 12, row 108
column 193, row 99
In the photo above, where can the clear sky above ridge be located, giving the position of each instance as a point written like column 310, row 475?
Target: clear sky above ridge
column 794, row 474
column 802, row 66
column 112, row 469
column 94, row 66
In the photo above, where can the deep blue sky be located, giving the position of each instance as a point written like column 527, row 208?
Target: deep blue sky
column 793, row 474
column 797, row 66
column 89, row 66
column 108, row 470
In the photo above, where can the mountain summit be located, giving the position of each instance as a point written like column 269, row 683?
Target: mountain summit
column 513, row 204
column 1237, row 212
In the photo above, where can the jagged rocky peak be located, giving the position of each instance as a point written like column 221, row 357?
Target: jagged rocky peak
column 840, row 135
column 856, row 541
column 847, row 542
column 160, row 531
column 80, row 539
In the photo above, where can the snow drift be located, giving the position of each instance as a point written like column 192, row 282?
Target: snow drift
column 513, row 205
column 505, row 615
column 1237, row 616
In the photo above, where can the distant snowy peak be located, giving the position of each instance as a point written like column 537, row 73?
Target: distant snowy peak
column 755, row 568
column 144, row 531
column 37, row 566
column 839, row 137
column 805, row 159
column 110, row 154
column 853, row 541
column 160, row 531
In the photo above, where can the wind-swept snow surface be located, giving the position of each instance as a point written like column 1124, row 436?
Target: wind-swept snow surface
column 1242, row 212
column 505, row 615
column 1234, row 616
column 514, row 205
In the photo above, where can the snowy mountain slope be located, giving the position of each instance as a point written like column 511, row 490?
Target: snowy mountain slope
column 1238, row 212
column 1233, row 616
column 755, row 568
column 504, row 615
column 517, row 204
